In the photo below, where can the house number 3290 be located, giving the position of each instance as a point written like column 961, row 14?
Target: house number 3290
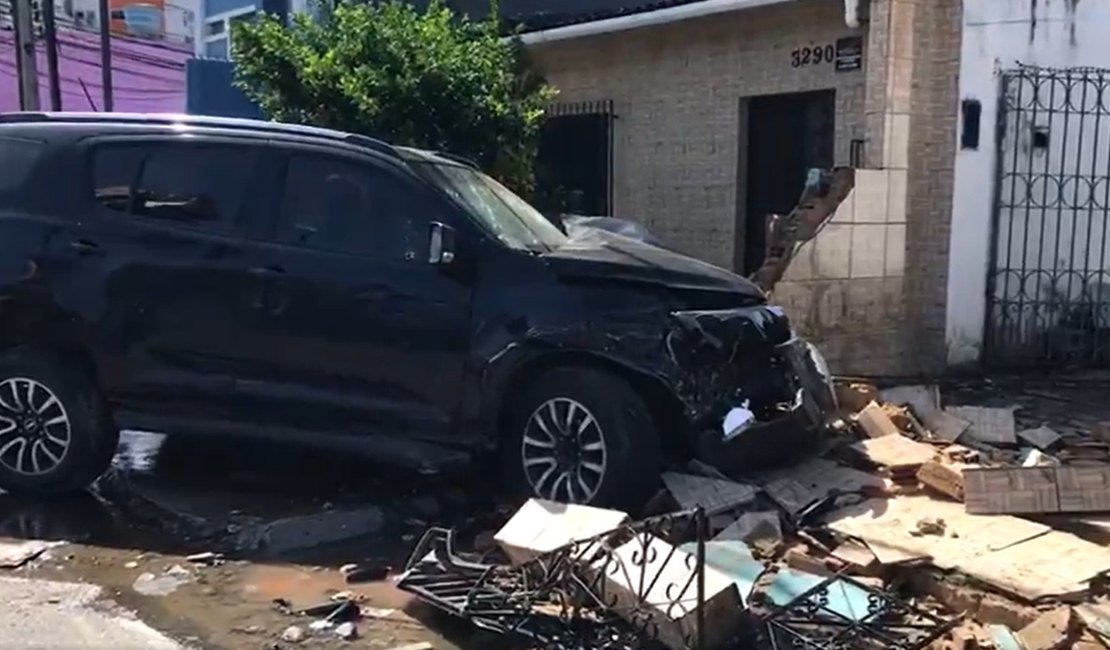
column 815, row 55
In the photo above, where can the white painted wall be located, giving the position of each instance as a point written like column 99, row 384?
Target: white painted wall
column 998, row 34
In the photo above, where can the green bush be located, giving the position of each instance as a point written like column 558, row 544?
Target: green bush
column 428, row 79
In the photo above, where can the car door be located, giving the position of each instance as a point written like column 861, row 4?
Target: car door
column 351, row 330
column 164, row 241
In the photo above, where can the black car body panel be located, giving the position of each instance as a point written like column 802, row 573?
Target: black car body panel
column 189, row 325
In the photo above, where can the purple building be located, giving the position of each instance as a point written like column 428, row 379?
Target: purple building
column 147, row 77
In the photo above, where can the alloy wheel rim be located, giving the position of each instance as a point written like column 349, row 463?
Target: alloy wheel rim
column 563, row 451
column 35, row 430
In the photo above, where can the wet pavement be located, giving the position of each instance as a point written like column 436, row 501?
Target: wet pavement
column 288, row 518
column 285, row 518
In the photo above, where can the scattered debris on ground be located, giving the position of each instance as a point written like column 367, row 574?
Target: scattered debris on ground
column 920, row 525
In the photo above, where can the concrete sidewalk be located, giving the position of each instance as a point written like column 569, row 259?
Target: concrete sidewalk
column 46, row 614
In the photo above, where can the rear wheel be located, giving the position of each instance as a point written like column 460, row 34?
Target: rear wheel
column 54, row 436
column 583, row 436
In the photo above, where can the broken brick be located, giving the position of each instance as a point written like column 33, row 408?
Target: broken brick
column 1049, row 632
column 944, row 478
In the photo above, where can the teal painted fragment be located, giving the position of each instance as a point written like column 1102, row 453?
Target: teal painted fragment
column 1004, row 638
column 735, row 560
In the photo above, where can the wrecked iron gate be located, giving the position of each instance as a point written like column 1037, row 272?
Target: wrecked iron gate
column 644, row 585
column 610, row 591
column 1048, row 285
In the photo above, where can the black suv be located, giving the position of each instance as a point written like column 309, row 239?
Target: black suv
column 243, row 278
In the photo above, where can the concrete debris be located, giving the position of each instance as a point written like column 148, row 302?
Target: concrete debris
column 1037, row 490
column 16, row 554
column 320, row 626
column 922, row 400
column 1049, row 632
column 1043, row 438
column 897, row 453
column 293, row 634
column 944, row 425
column 543, row 526
column 672, row 598
column 945, row 478
column 149, row 584
column 929, row 526
column 346, row 631
column 988, row 425
column 800, row 486
column 209, row 558
column 875, row 422
column 753, row 526
column 713, row 495
column 1036, row 458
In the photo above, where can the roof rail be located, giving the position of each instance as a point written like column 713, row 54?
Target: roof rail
column 202, row 120
column 462, row 160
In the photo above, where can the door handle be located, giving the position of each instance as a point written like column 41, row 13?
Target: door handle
column 266, row 271
column 84, row 246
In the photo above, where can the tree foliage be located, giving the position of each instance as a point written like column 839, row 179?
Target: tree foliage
column 424, row 78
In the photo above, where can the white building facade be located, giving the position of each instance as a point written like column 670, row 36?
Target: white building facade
column 1029, row 264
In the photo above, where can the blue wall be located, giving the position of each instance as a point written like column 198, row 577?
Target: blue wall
column 213, row 7
column 210, row 90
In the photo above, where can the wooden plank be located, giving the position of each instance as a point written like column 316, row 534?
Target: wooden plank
column 1084, row 489
column 1011, row 490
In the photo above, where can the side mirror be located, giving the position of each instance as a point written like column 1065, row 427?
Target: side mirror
column 441, row 248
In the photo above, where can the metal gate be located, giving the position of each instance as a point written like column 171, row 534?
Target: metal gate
column 1048, row 293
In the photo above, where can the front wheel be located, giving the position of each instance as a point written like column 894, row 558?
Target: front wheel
column 54, row 436
column 583, row 436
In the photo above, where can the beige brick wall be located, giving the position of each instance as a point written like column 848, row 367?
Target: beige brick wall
column 932, row 157
column 871, row 288
column 677, row 91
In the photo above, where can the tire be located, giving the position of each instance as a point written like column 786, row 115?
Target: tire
column 629, row 455
column 42, row 402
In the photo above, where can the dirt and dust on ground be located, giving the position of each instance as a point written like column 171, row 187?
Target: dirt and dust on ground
column 979, row 510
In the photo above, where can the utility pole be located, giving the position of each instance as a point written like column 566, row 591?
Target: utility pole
column 25, row 55
column 50, row 35
column 106, row 54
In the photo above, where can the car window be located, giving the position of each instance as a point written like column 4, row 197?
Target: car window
column 193, row 185
column 17, row 158
column 344, row 206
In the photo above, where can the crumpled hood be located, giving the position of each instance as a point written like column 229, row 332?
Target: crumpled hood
column 596, row 254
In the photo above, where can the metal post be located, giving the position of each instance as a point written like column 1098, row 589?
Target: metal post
column 106, row 54
column 25, row 55
column 50, row 35
column 702, row 522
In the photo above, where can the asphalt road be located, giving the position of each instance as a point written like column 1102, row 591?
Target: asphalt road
column 47, row 614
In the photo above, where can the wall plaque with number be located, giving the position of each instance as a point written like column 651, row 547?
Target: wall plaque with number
column 849, row 53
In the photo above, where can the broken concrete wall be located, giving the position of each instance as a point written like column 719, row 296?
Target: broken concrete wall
column 845, row 288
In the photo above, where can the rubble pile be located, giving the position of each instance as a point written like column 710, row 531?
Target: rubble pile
column 915, row 525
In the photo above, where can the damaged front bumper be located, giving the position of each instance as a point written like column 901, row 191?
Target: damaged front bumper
column 772, row 390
